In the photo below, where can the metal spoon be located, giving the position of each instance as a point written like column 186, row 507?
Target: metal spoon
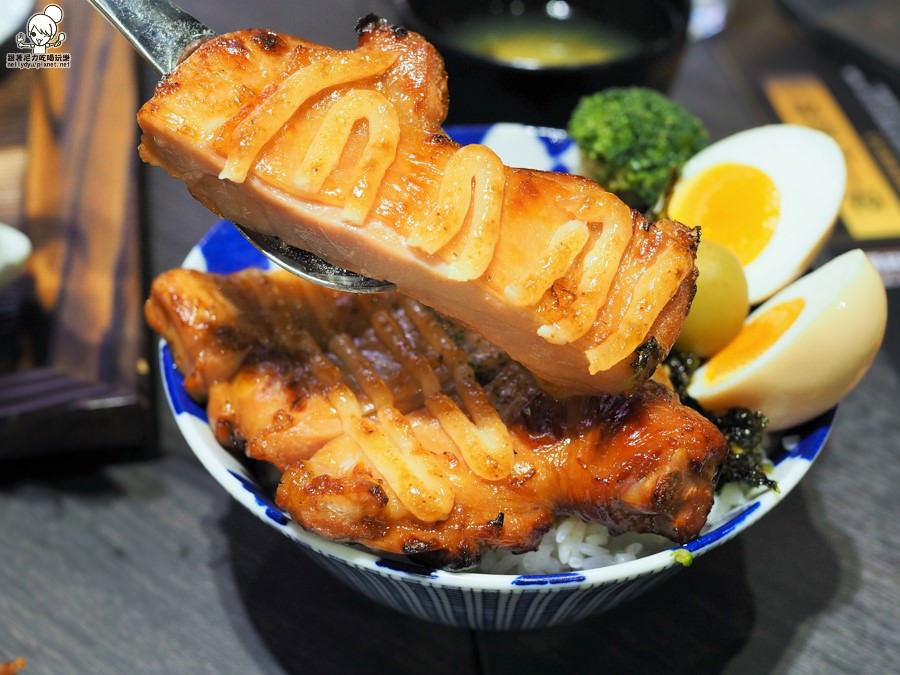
column 165, row 34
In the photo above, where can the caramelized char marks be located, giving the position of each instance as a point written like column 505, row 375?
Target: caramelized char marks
column 641, row 463
column 215, row 327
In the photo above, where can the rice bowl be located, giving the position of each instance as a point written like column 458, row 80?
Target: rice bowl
column 506, row 598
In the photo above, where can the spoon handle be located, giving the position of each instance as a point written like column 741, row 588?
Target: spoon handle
column 158, row 30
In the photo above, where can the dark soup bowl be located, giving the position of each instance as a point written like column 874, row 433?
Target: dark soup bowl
column 531, row 60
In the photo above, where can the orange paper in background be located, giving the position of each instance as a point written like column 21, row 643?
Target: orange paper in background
column 871, row 209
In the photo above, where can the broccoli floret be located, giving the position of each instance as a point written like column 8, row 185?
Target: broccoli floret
column 635, row 141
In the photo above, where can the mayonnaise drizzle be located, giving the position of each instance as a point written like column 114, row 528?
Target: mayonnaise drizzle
column 471, row 192
column 273, row 112
column 324, row 152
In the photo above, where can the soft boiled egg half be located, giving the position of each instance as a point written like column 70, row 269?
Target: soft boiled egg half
column 804, row 349
column 771, row 194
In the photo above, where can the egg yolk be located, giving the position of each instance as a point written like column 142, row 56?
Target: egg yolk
column 754, row 339
column 734, row 204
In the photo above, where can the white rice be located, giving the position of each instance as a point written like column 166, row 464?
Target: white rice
column 572, row 544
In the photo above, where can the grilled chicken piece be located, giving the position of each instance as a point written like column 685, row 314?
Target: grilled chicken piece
column 341, row 153
column 396, row 429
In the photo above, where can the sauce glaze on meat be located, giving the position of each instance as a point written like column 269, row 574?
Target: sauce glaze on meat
column 399, row 430
column 342, row 153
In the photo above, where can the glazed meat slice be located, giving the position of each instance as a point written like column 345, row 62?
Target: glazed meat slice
column 342, row 153
column 397, row 429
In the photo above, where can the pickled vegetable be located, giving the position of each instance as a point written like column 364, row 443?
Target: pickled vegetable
column 720, row 304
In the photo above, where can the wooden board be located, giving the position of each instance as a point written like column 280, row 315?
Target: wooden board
column 80, row 313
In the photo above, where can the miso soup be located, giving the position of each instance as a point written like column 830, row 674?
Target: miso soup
column 536, row 42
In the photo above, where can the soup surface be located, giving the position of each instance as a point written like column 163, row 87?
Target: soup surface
column 534, row 42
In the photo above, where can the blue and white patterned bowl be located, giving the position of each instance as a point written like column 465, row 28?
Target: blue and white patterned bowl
column 468, row 599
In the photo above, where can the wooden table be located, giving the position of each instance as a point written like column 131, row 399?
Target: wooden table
column 148, row 567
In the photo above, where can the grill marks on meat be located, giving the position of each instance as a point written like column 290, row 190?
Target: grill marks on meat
column 386, row 436
column 341, row 153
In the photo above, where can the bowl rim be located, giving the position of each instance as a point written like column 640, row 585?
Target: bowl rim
column 653, row 49
column 801, row 446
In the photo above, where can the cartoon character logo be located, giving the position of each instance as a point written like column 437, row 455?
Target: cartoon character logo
column 43, row 30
